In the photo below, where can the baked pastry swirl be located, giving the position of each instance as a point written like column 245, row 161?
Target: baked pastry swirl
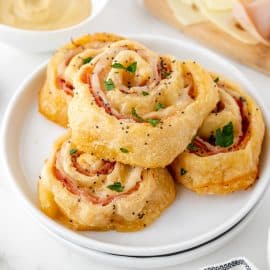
column 57, row 90
column 224, row 155
column 138, row 107
column 87, row 193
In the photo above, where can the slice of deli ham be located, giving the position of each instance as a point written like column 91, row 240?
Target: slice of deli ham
column 254, row 16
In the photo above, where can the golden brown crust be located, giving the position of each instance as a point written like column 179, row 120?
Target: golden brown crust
column 232, row 170
column 53, row 101
column 215, row 187
column 96, row 130
column 53, row 104
column 131, row 212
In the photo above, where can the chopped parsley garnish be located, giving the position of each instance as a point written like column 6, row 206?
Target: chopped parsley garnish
column 153, row 122
column 87, row 60
column 224, row 136
column 167, row 74
column 242, row 99
column 164, row 71
column 183, row 171
column 131, row 68
column 145, row 93
column 118, row 66
column 117, row 186
column 124, row 150
column 192, row 147
column 73, row 151
column 159, row 106
column 216, row 80
column 135, row 114
column 109, row 85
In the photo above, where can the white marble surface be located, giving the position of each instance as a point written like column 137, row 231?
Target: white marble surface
column 23, row 243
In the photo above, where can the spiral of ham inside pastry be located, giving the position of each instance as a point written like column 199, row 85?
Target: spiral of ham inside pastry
column 231, row 108
column 58, row 88
column 223, row 157
column 142, row 99
column 89, row 193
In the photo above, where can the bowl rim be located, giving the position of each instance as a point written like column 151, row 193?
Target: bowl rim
column 89, row 18
column 125, row 249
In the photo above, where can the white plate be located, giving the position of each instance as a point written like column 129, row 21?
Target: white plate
column 190, row 221
column 163, row 261
column 43, row 41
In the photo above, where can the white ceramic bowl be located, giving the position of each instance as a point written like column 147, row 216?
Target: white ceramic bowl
column 43, row 41
column 192, row 220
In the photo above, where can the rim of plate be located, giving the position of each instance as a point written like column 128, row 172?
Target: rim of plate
column 125, row 249
column 165, row 260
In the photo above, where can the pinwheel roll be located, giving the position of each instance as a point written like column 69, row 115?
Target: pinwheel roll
column 224, row 155
column 137, row 107
column 57, row 91
column 87, row 193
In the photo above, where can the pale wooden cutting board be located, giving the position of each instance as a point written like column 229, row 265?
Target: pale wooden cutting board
column 256, row 56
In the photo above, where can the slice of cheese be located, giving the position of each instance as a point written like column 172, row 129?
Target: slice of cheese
column 219, row 4
column 225, row 21
column 188, row 2
column 186, row 11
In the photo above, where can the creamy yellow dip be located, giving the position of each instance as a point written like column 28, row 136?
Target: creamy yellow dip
column 43, row 14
